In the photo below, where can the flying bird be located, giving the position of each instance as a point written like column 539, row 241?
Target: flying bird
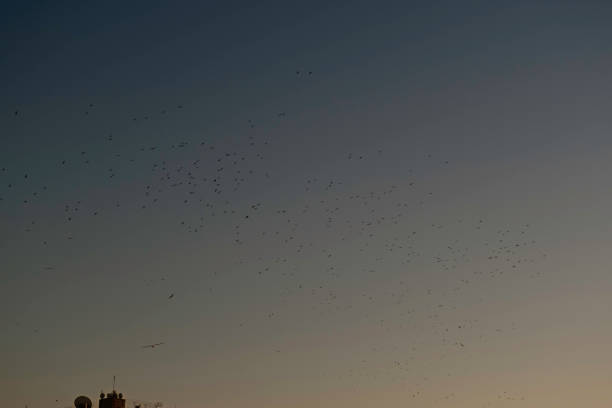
column 152, row 345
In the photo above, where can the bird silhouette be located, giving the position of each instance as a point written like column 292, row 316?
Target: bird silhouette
column 152, row 345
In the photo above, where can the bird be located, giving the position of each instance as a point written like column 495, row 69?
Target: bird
column 152, row 345
column 171, row 296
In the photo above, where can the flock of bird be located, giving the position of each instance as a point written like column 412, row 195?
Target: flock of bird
column 332, row 222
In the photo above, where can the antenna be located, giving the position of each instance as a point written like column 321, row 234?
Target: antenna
column 113, row 383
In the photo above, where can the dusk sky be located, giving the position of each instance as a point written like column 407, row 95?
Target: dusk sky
column 306, row 204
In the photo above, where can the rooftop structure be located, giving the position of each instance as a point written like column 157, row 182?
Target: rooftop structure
column 111, row 400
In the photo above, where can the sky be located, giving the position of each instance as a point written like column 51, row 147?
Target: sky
column 308, row 204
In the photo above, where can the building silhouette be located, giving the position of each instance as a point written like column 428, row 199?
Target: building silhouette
column 111, row 400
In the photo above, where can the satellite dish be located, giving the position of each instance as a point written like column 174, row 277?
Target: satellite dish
column 82, row 402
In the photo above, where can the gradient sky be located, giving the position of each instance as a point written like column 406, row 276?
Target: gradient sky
column 424, row 220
